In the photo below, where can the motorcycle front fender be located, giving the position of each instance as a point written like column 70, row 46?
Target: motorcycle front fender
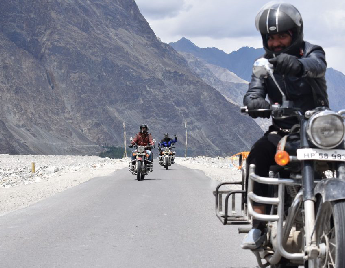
column 331, row 189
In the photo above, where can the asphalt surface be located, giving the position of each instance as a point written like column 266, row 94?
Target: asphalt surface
column 167, row 220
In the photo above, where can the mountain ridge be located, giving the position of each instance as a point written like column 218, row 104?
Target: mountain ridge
column 236, row 61
column 240, row 62
column 74, row 72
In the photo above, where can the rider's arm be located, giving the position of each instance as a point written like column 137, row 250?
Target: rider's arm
column 135, row 140
column 314, row 62
column 256, row 90
column 151, row 140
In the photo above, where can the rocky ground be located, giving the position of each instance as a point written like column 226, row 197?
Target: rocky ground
column 219, row 168
column 21, row 186
column 26, row 179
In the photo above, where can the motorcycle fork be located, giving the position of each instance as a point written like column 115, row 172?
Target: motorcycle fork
column 311, row 250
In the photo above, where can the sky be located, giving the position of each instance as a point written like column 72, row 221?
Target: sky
column 230, row 24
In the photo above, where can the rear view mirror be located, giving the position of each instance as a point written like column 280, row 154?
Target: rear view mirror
column 261, row 68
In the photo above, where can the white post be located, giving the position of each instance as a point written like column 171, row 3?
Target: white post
column 124, row 136
column 185, row 125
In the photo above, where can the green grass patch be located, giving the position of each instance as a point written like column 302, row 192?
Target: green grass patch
column 113, row 152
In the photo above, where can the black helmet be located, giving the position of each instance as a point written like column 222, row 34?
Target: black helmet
column 277, row 18
column 142, row 127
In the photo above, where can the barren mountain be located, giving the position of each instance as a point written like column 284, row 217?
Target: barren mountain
column 216, row 67
column 73, row 71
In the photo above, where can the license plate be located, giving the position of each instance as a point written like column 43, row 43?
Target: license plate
column 321, row 154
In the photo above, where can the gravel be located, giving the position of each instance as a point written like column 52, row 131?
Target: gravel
column 27, row 179
column 21, row 185
column 219, row 168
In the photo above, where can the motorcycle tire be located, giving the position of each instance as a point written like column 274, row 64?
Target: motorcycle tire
column 139, row 171
column 166, row 166
column 331, row 232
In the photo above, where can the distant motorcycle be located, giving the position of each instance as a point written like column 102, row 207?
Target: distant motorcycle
column 167, row 157
column 140, row 165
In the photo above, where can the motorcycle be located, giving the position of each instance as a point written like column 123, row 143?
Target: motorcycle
column 305, row 224
column 140, row 165
column 167, row 157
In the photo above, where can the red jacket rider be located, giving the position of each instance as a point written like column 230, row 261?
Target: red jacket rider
column 143, row 138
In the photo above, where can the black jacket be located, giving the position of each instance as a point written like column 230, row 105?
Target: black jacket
column 307, row 92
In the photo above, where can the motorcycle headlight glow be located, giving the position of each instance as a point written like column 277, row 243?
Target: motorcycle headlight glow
column 326, row 129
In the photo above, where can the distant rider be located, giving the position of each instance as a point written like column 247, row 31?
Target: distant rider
column 167, row 142
column 299, row 69
column 143, row 138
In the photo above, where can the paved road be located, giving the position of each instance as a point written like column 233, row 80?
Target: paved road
column 165, row 221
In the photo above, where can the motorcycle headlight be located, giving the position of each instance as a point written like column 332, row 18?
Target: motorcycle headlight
column 326, row 129
column 141, row 149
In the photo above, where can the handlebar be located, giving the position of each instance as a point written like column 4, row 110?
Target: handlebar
column 282, row 111
column 244, row 110
column 147, row 147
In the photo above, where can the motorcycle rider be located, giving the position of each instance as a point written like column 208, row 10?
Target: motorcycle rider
column 167, row 142
column 299, row 69
column 143, row 138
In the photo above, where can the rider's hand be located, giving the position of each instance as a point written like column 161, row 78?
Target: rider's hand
column 287, row 64
column 130, row 146
column 258, row 104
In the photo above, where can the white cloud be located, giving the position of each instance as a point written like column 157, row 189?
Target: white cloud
column 160, row 9
column 230, row 24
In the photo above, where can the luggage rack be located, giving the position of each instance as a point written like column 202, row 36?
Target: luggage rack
column 223, row 213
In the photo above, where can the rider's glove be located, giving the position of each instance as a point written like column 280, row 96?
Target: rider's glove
column 258, row 103
column 130, row 146
column 287, row 64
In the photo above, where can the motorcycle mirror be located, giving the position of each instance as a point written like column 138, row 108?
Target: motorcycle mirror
column 131, row 139
column 261, row 68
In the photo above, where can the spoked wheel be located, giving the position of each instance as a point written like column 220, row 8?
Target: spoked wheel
column 331, row 233
column 139, row 174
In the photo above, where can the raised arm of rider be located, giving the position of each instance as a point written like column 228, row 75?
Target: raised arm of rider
column 287, row 64
column 314, row 62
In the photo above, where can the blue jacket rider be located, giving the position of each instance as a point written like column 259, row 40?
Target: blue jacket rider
column 167, row 142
